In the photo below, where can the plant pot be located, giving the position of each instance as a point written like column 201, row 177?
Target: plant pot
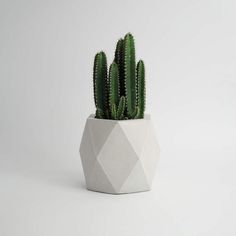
column 119, row 156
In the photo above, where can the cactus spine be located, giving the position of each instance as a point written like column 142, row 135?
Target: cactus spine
column 122, row 94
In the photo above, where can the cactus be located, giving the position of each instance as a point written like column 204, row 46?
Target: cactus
column 121, row 108
column 100, row 84
column 114, row 93
column 122, row 94
column 140, row 88
column 119, row 55
column 129, row 74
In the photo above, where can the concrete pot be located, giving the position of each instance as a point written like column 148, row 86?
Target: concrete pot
column 119, row 156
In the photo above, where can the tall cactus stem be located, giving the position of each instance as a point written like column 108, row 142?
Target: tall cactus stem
column 129, row 73
column 100, row 82
column 113, row 87
column 119, row 59
column 140, row 96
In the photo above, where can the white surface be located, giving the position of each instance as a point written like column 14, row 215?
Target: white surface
column 46, row 56
column 119, row 156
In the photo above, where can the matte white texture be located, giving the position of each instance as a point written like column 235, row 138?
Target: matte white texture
column 119, row 156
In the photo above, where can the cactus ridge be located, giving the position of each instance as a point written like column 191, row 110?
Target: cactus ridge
column 121, row 94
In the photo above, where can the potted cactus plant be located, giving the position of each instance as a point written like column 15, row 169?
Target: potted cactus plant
column 119, row 150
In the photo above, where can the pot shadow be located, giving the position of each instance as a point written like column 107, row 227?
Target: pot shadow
column 69, row 179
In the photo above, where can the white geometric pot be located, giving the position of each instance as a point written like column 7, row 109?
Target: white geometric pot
column 119, row 156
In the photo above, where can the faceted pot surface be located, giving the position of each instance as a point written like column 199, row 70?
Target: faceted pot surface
column 119, row 156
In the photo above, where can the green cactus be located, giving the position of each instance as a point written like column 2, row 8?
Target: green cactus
column 113, row 112
column 114, row 93
column 121, row 96
column 100, row 114
column 100, row 84
column 119, row 59
column 129, row 73
column 134, row 114
column 140, row 88
column 121, row 108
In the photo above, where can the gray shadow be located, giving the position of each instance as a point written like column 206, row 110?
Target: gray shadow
column 63, row 178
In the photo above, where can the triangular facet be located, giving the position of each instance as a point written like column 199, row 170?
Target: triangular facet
column 136, row 181
column 99, row 131
column 117, row 157
column 98, row 180
column 130, row 129
column 150, row 154
column 86, row 152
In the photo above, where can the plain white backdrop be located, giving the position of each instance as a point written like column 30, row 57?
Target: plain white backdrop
column 46, row 58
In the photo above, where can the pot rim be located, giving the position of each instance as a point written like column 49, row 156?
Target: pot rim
column 146, row 117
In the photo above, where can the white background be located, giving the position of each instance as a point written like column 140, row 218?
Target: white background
column 46, row 56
